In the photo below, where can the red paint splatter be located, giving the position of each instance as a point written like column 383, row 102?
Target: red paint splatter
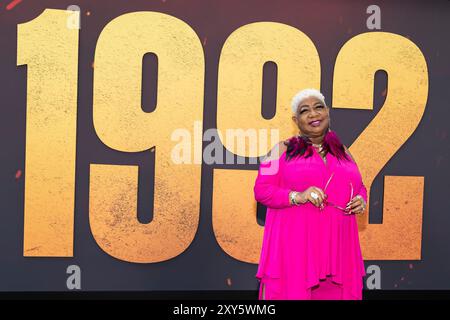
column 88, row 13
column 383, row 94
column 18, row 174
column 402, row 278
column 229, row 282
column 204, row 41
column 411, row 266
column 12, row 4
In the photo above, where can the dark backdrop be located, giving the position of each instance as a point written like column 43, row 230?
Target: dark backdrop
column 204, row 266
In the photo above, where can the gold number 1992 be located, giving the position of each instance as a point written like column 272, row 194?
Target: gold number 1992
column 50, row 50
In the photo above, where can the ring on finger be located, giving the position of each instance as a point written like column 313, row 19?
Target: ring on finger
column 314, row 195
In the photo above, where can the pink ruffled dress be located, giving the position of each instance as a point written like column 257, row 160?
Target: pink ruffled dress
column 303, row 245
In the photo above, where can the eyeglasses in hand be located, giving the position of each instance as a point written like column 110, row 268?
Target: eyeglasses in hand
column 328, row 203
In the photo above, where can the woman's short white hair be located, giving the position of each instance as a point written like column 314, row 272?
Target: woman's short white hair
column 302, row 95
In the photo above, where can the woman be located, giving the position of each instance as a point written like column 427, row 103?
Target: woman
column 312, row 189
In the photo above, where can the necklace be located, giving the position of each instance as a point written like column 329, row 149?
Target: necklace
column 318, row 146
column 319, row 150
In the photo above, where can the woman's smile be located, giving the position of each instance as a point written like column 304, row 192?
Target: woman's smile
column 315, row 123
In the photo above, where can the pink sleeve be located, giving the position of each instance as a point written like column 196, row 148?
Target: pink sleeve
column 267, row 189
column 363, row 192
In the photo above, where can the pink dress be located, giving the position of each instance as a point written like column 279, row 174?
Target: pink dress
column 302, row 244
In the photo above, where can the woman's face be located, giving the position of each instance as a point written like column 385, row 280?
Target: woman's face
column 312, row 117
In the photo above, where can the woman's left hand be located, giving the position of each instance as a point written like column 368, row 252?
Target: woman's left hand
column 356, row 205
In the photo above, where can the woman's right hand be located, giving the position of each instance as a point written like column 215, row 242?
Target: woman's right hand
column 305, row 196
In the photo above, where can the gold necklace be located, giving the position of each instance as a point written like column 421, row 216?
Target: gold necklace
column 318, row 146
column 320, row 151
